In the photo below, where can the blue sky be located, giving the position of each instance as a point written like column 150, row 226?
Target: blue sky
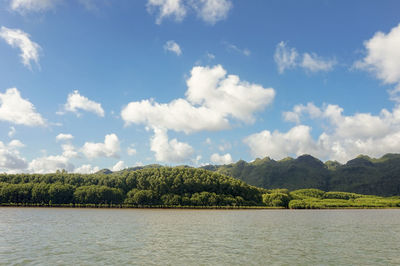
column 87, row 84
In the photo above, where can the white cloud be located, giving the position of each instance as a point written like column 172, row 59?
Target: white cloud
column 299, row 110
column 76, row 101
column 109, row 148
column 20, row 39
column 12, row 132
column 208, row 141
column 233, row 47
column 10, row 159
column 227, row 95
column 17, row 110
column 118, row 166
column 25, row 6
column 221, row 159
column 86, row 169
column 131, row 150
column 314, row 63
column 50, row 164
column 196, row 161
column 64, row 137
column 169, row 150
column 285, row 57
column 177, row 115
column 212, row 11
column 212, row 99
column 279, row 145
column 383, row 58
column 210, row 56
column 288, row 58
column 15, row 144
column 167, row 8
column 172, row 46
column 345, row 138
column 69, row 151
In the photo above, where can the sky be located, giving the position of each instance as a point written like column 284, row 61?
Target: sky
column 92, row 84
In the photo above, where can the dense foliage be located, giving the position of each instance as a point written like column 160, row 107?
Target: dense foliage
column 362, row 175
column 318, row 199
column 164, row 186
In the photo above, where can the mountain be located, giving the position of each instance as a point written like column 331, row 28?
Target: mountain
column 303, row 172
column 362, row 175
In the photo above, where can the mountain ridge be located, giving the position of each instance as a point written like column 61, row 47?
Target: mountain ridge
column 363, row 174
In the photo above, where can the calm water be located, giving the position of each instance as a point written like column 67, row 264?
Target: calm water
column 51, row 236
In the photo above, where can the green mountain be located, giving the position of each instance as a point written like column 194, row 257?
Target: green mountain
column 362, row 175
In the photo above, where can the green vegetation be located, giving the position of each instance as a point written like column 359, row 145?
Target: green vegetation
column 159, row 186
column 363, row 175
column 168, row 187
column 318, row 199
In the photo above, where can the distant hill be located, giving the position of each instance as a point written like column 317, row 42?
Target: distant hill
column 362, row 175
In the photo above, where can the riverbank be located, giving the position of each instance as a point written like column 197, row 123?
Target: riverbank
column 126, row 206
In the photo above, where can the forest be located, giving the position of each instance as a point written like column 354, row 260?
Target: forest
column 168, row 187
column 363, row 175
column 163, row 186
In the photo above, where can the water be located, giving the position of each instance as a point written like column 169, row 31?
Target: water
column 55, row 236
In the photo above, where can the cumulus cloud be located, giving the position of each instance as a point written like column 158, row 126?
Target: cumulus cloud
column 15, row 144
column 169, row 150
column 173, row 47
column 210, row 11
column 21, row 40
column 167, row 8
column 64, row 137
column 300, row 109
column 345, row 138
column 109, row 148
column 25, row 6
column 221, row 159
column 288, row 58
column 118, row 166
column 383, row 58
column 15, row 109
column 50, row 164
column 10, row 158
column 76, row 102
column 279, row 145
column 69, row 151
column 86, row 169
column 177, row 115
column 227, row 95
column 212, row 99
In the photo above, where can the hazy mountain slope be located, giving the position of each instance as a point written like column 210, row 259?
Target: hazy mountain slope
column 361, row 175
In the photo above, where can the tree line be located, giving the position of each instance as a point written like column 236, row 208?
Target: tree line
column 166, row 186
column 157, row 186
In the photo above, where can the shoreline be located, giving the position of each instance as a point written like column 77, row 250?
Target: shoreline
column 159, row 207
